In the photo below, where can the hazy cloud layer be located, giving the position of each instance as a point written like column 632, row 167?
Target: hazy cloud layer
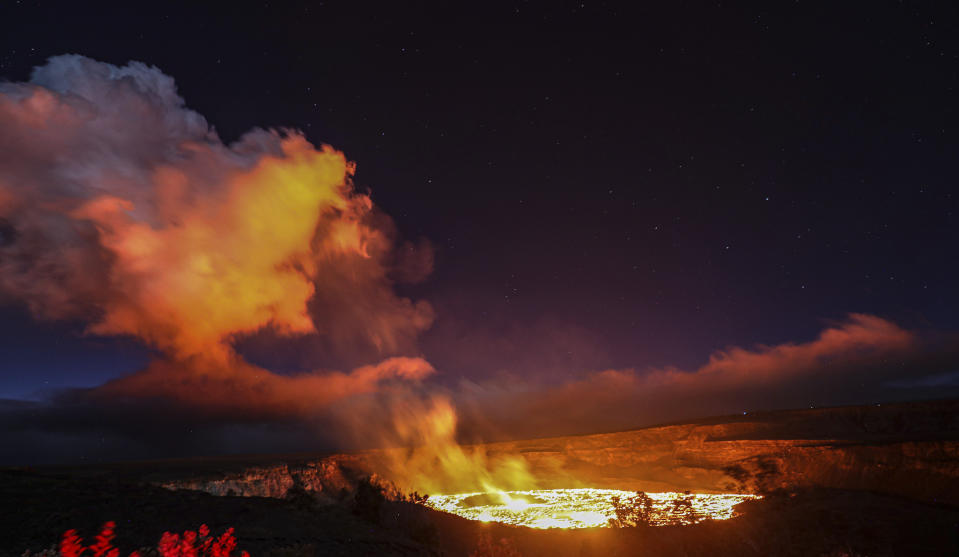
column 167, row 412
column 848, row 363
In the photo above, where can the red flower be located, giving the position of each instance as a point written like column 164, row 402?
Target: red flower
column 71, row 545
column 104, row 544
column 224, row 545
column 169, row 545
column 190, row 544
column 187, row 546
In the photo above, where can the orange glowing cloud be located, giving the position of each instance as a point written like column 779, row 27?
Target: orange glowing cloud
column 126, row 211
column 245, row 392
column 860, row 338
column 860, row 351
column 154, row 228
column 226, row 263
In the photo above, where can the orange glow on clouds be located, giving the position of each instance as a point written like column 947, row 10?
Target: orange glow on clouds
column 231, row 262
column 130, row 214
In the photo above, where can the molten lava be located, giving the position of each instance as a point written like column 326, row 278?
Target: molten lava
column 583, row 508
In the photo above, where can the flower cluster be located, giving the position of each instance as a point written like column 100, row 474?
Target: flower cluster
column 198, row 543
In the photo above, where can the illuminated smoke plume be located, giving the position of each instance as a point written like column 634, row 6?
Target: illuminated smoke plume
column 422, row 450
column 121, row 208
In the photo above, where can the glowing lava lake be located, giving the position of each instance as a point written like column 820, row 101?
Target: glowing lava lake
column 584, row 507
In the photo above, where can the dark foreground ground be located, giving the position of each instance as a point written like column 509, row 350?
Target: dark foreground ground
column 851, row 481
column 38, row 506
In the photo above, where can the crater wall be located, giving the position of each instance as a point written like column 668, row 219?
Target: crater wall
column 903, row 449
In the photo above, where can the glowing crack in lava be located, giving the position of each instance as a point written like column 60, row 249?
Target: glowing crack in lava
column 583, row 508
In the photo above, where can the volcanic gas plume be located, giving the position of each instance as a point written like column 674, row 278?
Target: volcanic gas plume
column 420, row 431
column 123, row 209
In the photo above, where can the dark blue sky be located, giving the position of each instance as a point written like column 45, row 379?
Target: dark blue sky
column 605, row 186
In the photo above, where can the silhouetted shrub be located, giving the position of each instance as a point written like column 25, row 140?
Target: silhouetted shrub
column 683, row 511
column 635, row 510
column 368, row 500
column 300, row 498
column 416, row 498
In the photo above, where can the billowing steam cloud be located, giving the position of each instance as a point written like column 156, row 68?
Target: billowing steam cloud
column 121, row 208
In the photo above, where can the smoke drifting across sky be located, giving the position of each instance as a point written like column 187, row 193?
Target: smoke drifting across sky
column 851, row 362
column 121, row 208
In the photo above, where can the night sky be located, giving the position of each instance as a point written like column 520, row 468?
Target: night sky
column 601, row 186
